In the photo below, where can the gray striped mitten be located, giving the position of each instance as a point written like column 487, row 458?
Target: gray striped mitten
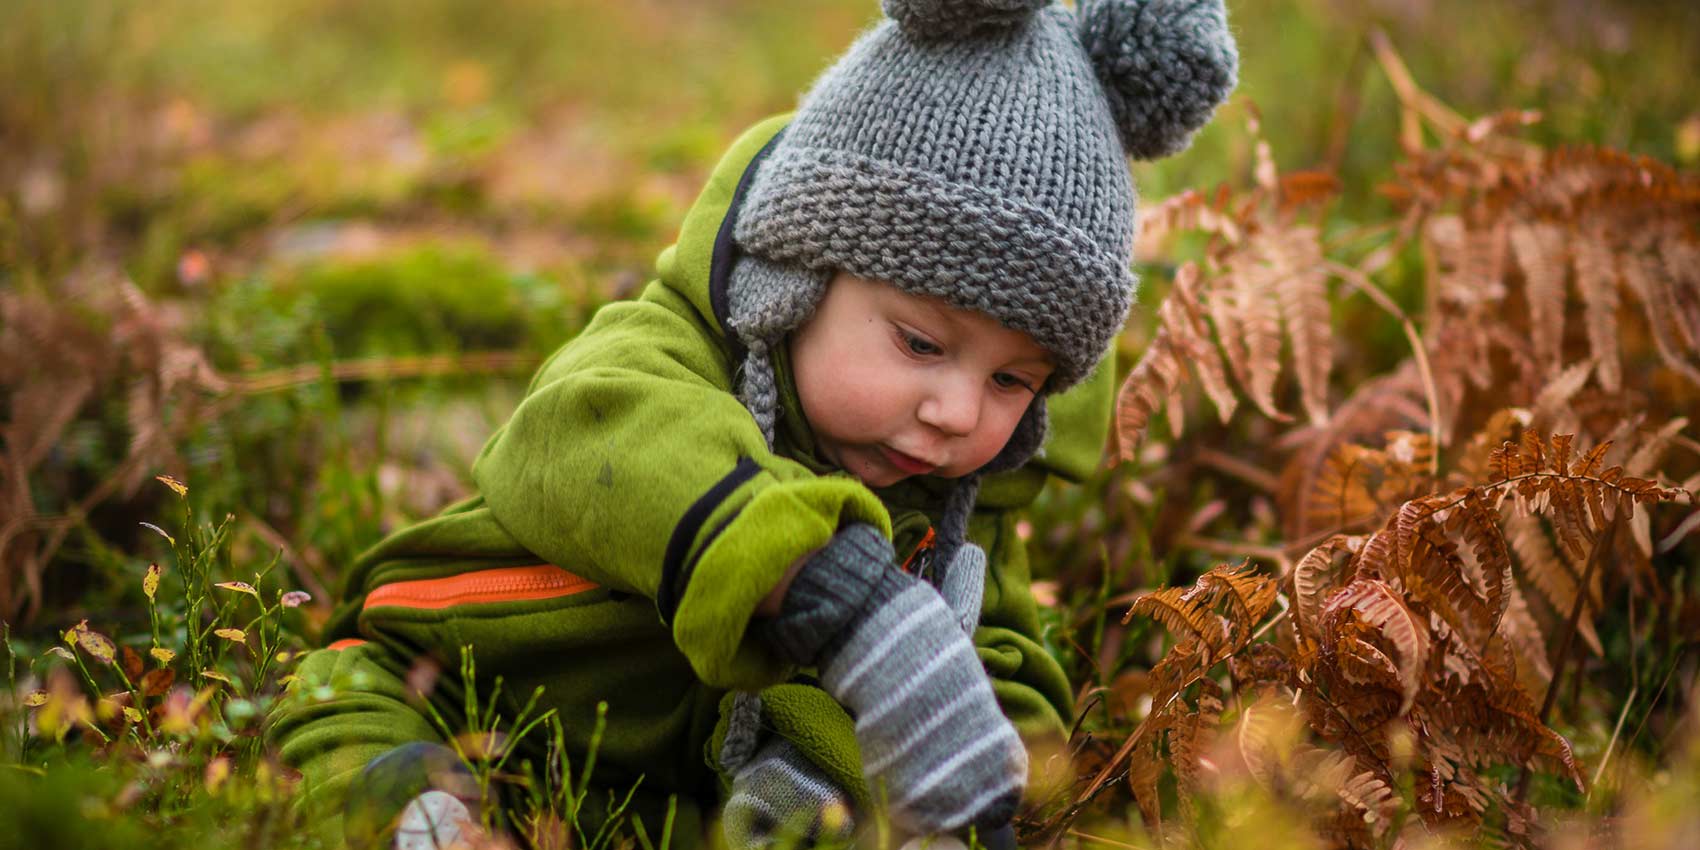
column 963, row 586
column 895, row 655
column 781, row 795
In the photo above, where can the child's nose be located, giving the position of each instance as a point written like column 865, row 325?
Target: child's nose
column 952, row 407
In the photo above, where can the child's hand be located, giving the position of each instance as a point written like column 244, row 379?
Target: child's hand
column 780, row 795
column 963, row 586
column 934, row 742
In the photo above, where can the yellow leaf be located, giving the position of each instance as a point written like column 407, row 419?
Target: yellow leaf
column 132, row 715
column 150, row 581
column 239, row 587
column 236, row 635
column 162, row 655
column 289, row 680
column 214, row 674
column 97, row 645
column 35, row 698
column 175, row 485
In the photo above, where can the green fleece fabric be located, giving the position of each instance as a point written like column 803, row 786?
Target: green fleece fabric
column 620, row 434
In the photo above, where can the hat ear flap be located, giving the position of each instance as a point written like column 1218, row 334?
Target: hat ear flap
column 957, row 18
column 1164, row 65
column 766, row 300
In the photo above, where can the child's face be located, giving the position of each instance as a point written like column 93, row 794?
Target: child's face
column 896, row 385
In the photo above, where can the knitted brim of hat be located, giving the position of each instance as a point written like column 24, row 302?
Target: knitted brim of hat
column 825, row 209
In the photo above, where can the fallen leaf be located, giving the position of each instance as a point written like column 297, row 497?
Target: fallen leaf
column 239, row 587
column 132, row 663
column 158, row 681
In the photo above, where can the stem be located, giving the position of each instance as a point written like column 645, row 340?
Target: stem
column 1558, row 664
column 1419, row 353
column 1612, row 745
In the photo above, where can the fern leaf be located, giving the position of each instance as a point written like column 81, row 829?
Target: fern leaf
column 1681, row 260
column 1657, row 303
column 1313, row 579
column 1651, row 452
column 1523, row 634
column 1596, row 277
column 1380, row 607
column 1183, row 611
column 1340, row 497
column 1250, row 596
column 1190, row 741
column 1540, row 251
column 1258, row 316
column 1478, row 525
column 1147, row 385
column 1590, row 463
column 1302, row 286
column 1202, row 355
column 1433, row 573
column 1181, row 341
column 1548, row 574
column 1368, row 793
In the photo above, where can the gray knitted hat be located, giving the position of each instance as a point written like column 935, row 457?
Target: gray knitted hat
column 976, row 151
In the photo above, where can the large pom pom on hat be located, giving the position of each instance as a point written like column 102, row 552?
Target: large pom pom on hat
column 1164, row 65
column 954, row 18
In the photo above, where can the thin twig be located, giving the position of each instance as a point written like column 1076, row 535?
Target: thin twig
column 384, row 368
column 1231, row 548
column 1242, row 470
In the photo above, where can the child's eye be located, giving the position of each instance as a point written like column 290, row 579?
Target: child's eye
column 918, row 345
column 1010, row 382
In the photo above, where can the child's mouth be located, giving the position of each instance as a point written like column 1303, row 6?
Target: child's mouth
column 906, row 463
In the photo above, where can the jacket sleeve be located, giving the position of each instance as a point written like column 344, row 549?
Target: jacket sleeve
column 631, row 462
column 349, row 707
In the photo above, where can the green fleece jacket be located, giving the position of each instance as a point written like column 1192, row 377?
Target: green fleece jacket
column 628, row 519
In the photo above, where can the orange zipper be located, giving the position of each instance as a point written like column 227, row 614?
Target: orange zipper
column 925, row 545
column 504, row 584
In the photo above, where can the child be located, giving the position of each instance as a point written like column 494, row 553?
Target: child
column 799, row 450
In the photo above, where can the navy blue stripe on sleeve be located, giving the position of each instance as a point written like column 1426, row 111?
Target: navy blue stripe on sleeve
column 676, row 566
